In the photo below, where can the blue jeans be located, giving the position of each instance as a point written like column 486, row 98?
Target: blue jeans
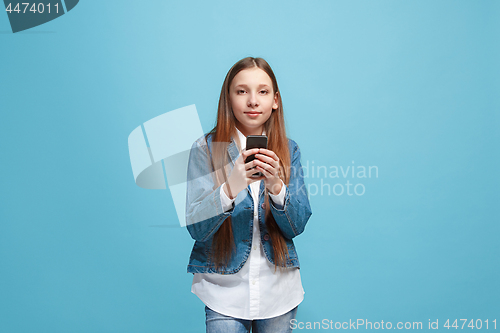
column 219, row 323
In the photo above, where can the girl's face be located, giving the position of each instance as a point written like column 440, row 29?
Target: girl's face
column 252, row 100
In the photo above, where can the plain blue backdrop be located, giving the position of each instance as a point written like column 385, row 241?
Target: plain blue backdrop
column 411, row 87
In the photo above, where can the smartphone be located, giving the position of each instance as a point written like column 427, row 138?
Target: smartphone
column 255, row 141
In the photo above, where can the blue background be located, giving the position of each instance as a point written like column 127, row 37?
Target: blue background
column 411, row 87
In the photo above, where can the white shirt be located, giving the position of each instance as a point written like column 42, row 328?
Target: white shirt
column 256, row 291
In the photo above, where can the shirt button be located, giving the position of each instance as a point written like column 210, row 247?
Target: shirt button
column 255, row 247
column 266, row 237
column 253, row 282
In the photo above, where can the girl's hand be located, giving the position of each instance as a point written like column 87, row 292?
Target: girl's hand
column 268, row 163
column 241, row 176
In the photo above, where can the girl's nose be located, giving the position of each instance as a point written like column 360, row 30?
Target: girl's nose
column 252, row 101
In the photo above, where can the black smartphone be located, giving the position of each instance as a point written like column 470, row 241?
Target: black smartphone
column 255, row 141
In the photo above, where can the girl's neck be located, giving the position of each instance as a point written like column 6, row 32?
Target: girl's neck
column 247, row 132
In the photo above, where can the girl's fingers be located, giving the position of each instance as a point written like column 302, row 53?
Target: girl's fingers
column 250, row 165
column 251, row 172
column 269, row 153
column 266, row 173
column 269, row 157
column 249, row 152
column 250, row 168
column 271, row 169
column 268, row 160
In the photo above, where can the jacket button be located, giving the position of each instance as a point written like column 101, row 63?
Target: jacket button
column 266, row 237
column 263, row 206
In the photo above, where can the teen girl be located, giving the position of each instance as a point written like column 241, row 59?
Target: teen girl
column 246, row 269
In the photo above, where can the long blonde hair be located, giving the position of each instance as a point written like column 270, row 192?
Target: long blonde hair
column 225, row 128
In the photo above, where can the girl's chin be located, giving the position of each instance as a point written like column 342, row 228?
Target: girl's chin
column 250, row 126
column 250, row 123
column 253, row 124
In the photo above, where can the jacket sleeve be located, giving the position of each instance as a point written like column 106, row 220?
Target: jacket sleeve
column 204, row 212
column 295, row 213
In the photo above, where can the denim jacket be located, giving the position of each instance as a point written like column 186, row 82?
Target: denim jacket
column 204, row 212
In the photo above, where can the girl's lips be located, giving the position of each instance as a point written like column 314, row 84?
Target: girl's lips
column 252, row 114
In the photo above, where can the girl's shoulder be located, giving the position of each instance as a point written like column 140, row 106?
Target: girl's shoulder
column 291, row 142
column 292, row 145
column 203, row 140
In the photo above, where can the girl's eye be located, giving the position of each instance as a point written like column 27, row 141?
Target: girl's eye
column 240, row 91
column 263, row 92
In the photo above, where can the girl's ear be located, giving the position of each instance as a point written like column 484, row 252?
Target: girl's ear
column 275, row 104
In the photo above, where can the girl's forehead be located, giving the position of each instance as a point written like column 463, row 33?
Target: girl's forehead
column 253, row 75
